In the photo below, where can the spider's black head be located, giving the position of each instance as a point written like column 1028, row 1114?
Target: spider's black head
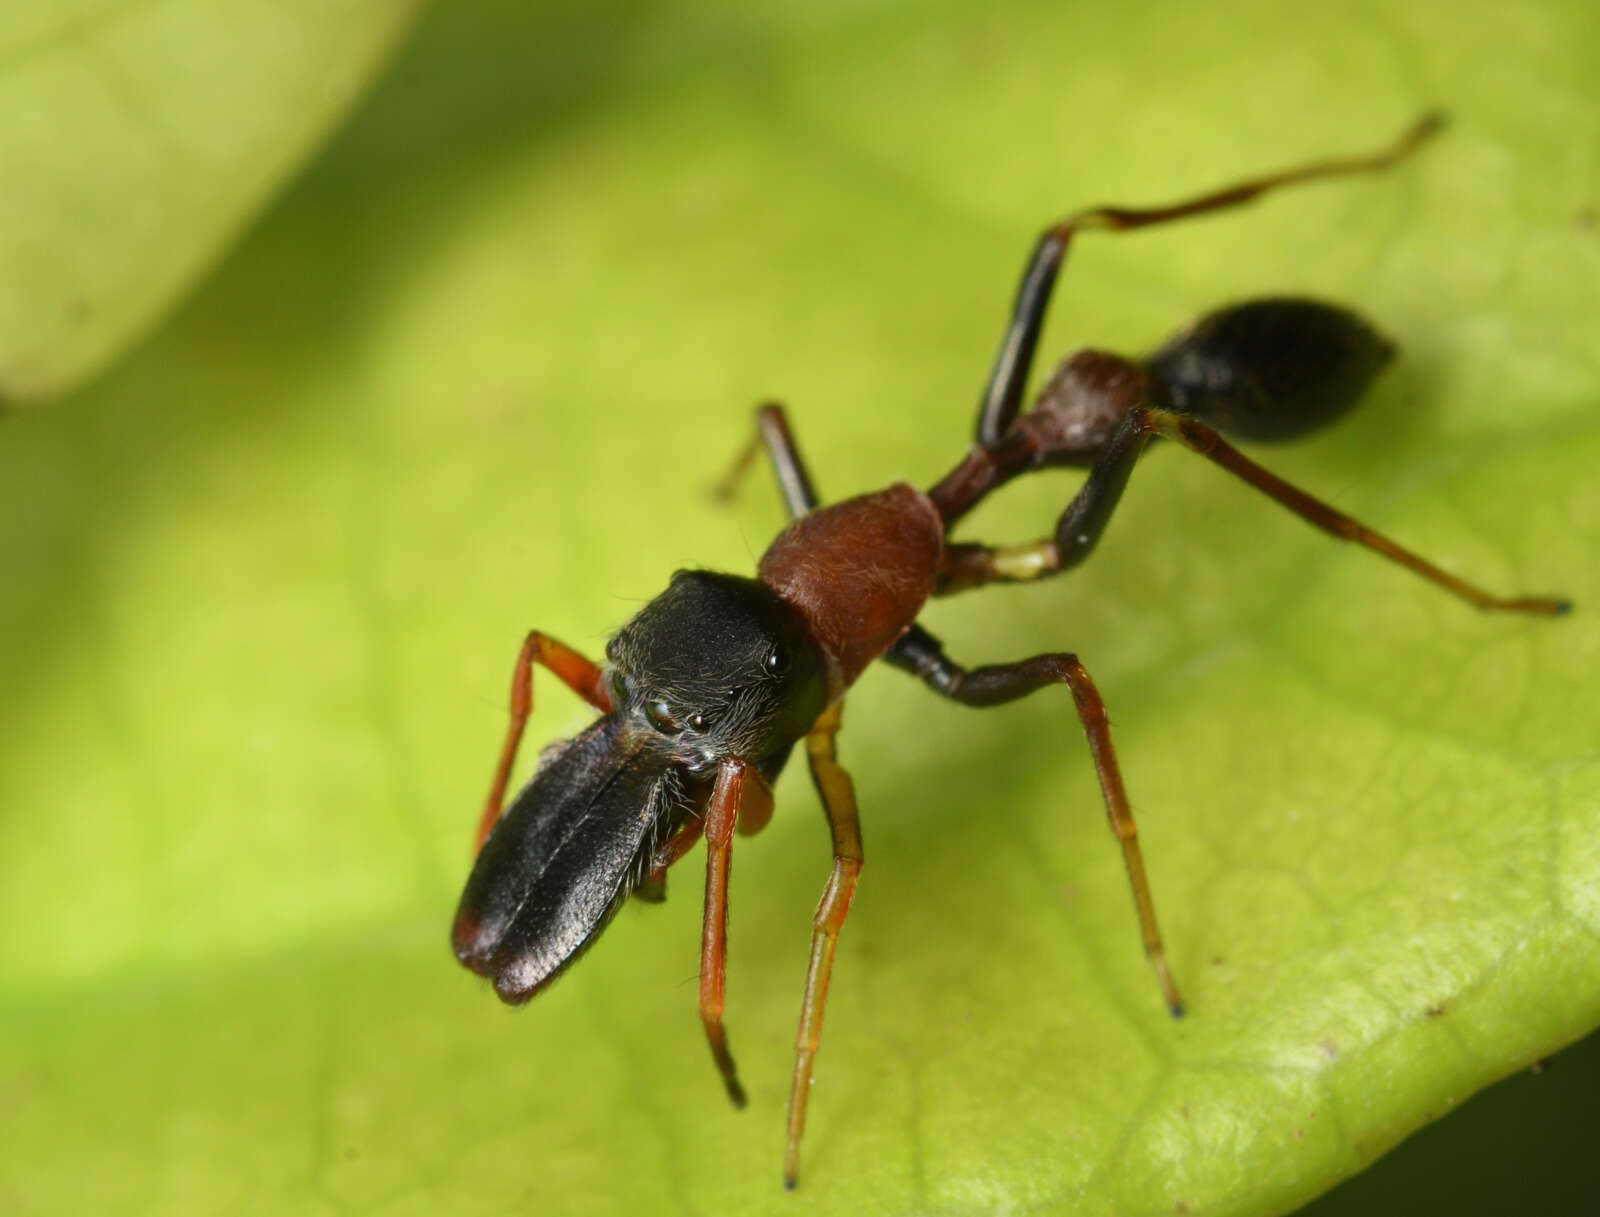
column 718, row 665
column 715, row 666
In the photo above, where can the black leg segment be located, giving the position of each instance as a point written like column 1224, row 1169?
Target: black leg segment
column 1081, row 525
column 1077, row 532
column 773, row 434
column 919, row 652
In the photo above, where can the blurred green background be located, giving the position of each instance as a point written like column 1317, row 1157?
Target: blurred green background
column 473, row 370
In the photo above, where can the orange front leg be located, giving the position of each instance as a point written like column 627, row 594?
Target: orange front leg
column 739, row 784
column 839, row 803
column 577, row 673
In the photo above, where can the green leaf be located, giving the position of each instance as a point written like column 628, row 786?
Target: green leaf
column 473, row 374
column 136, row 140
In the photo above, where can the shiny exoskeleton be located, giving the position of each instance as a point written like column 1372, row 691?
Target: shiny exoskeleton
column 706, row 692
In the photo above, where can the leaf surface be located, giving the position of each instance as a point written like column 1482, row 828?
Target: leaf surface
column 137, row 139
column 474, row 373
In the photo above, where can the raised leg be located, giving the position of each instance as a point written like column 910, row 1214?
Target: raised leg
column 919, row 652
column 1002, row 396
column 839, row 802
column 1081, row 525
column 772, row 433
column 574, row 671
column 739, row 783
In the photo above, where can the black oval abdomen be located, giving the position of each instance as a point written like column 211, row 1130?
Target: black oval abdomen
column 1269, row 369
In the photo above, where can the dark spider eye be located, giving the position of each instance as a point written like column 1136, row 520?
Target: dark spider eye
column 660, row 716
column 776, row 662
column 697, row 722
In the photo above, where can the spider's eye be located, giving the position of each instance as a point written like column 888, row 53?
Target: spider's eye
column 776, row 662
column 660, row 716
column 698, row 722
